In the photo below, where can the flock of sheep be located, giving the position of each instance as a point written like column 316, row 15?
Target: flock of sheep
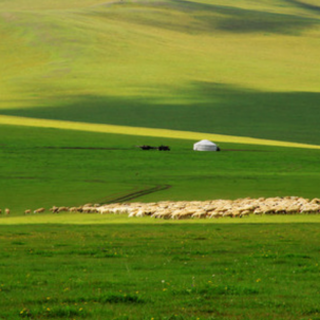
column 198, row 209
column 214, row 208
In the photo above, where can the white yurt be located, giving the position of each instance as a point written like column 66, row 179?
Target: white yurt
column 205, row 145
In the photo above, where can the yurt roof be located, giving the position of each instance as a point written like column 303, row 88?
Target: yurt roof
column 205, row 142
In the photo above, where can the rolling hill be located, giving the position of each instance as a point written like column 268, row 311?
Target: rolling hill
column 230, row 67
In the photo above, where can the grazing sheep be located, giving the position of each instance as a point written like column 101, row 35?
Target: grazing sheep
column 228, row 214
column 200, row 214
column 315, row 201
column 310, row 208
column 140, row 213
column 215, row 214
column 184, row 214
column 269, row 210
column 120, row 210
column 258, row 211
column 245, row 213
column 89, row 210
column 208, row 209
column 293, row 209
column 236, row 214
column 133, row 212
column 162, row 214
column 103, row 210
column 280, row 209
column 54, row 209
column 88, row 205
column 28, row 211
column 7, row 211
column 40, row 210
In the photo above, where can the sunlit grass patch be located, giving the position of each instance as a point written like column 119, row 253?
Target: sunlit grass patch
column 96, row 219
column 136, row 131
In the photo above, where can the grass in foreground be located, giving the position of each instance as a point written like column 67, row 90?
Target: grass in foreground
column 160, row 272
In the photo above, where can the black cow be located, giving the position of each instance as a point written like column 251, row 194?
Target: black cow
column 164, row 148
column 146, row 147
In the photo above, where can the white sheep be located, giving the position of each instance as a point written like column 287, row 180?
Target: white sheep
column 40, row 210
column 54, row 209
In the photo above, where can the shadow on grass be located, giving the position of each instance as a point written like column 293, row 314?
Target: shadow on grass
column 210, row 291
column 304, row 5
column 110, row 297
column 201, row 107
column 195, row 17
column 53, row 312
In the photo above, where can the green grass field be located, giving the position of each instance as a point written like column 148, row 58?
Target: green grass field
column 237, row 68
column 160, row 271
column 221, row 69
column 46, row 167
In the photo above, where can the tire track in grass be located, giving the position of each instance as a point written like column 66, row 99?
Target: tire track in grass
column 138, row 193
column 150, row 132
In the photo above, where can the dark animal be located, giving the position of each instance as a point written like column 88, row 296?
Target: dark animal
column 164, row 148
column 145, row 147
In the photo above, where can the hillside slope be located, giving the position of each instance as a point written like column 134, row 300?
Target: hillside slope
column 229, row 67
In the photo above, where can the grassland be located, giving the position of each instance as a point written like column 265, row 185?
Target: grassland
column 45, row 167
column 234, row 68
column 242, row 69
column 160, row 272
column 228, row 67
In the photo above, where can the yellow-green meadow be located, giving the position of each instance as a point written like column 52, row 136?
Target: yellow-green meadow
column 84, row 84
column 148, row 132
column 234, row 68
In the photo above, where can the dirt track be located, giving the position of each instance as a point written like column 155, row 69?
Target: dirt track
column 139, row 193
